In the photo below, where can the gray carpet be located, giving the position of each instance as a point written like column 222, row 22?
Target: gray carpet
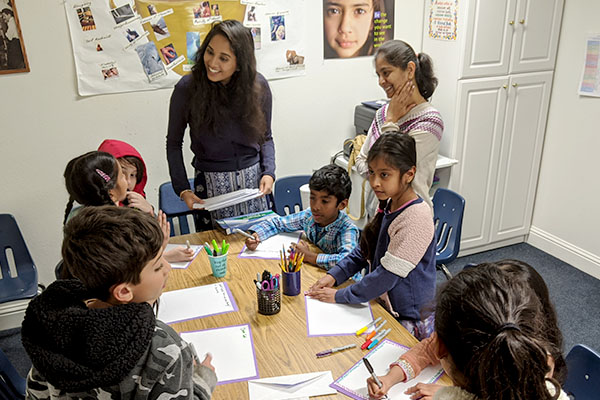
column 575, row 294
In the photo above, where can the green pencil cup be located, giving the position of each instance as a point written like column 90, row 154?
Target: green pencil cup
column 218, row 265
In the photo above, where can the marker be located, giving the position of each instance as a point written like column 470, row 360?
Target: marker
column 334, row 350
column 375, row 378
column 207, row 248
column 187, row 243
column 370, row 324
column 374, row 332
column 378, row 338
column 241, row 232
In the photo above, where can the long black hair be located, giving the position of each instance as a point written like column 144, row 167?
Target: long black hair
column 212, row 102
column 399, row 151
column 492, row 326
column 89, row 178
column 399, row 53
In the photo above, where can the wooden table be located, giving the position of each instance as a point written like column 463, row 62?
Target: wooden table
column 291, row 351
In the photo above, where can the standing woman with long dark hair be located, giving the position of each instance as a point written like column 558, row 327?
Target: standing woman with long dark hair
column 227, row 106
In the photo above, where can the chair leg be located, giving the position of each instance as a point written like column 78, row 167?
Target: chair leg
column 445, row 270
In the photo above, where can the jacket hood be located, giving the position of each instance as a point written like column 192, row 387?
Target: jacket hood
column 76, row 348
column 120, row 149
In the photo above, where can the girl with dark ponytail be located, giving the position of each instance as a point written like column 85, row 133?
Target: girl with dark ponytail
column 409, row 82
column 492, row 327
column 397, row 247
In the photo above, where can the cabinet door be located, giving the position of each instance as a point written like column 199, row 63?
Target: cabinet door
column 480, row 119
column 537, row 27
column 490, row 26
column 522, row 142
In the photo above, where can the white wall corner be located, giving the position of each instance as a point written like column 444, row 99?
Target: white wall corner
column 565, row 251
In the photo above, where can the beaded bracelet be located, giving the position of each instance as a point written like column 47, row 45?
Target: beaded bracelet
column 409, row 372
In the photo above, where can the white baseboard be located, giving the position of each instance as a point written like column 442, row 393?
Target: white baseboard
column 565, row 251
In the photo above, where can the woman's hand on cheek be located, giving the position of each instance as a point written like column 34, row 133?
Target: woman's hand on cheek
column 400, row 103
column 266, row 184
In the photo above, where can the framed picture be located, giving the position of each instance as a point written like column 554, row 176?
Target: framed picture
column 12, row 48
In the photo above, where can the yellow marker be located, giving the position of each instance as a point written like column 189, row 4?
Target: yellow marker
column 370, row 324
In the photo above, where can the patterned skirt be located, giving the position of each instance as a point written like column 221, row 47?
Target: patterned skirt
column 210, row 184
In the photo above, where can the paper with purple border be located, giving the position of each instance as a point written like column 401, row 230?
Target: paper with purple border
column 333, row 319
column 232, row 348
column 184, row 264
column 182, row 305
column 270, row 248
column 353, row 382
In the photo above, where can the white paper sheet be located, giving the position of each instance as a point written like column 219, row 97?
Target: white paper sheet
column 325, row 319
column 228, row 199
column 291, row 386
column 184, row 264
column 271, row 248
column 353, row 382
column 232, row 349
column 195, row 302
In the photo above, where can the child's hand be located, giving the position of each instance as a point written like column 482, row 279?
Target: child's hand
column 138, row 201
column 326, row 294
column 179, row 254
column 190, row 199
column 164, row 226
column 375, row 391
column 326, row 281
column 207, row 360
column 424, row 391
column 252, row 244
column 302, row 249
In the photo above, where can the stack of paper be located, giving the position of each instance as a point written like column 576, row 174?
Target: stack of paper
column 228, row 199
column 244, row 222
column 291, row 386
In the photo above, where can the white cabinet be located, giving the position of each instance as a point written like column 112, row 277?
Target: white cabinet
column 510, row 36
column 494, row 93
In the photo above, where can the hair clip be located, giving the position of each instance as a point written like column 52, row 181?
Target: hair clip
column 103, row 175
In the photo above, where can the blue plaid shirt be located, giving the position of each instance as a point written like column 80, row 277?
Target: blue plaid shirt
column 336, row 240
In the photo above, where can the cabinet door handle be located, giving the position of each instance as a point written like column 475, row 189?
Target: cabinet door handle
column 504, row 86
column 511, row 23
column 522, row 21
column 515, row 84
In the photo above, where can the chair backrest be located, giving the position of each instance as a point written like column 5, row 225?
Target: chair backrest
column 12, row 385
column 174, row 207
column 583, row 373
column 287, row 193
column 22, row 281
column 448, row 211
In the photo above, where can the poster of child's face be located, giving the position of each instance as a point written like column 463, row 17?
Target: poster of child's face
column 193, row 44
column 122, row 14
column 348, row 27
column 256, row 36
column 86, row 19
column 277, row 28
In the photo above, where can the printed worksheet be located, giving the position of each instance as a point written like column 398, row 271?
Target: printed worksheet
column 196, row 302
column 232, row 348
column 184, row 264
column 271, row 248
column 353, row 382
column 333, row 319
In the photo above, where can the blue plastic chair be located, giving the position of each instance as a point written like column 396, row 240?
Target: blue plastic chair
column 12, row 385
column 287, row 193
column 174, row 207
column 25, row 284
column 583, row 376
column 448, row 211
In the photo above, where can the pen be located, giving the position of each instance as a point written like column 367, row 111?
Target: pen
column 374, row 332
column 334, row 350
column 370, row 369
column 241, row 232
column 370, row 324
column 187, row 243
column 378, row 338
column 207, row 248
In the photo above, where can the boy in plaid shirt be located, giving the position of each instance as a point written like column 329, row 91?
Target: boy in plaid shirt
column 324, row 223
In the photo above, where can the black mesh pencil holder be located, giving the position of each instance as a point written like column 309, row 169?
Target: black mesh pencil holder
column 269, row 301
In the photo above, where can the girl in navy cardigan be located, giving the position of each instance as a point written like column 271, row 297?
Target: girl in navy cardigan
column 397, row 247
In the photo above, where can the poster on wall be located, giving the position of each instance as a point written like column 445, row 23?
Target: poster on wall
column 356, row 29
column 132, row 45
column 443, row 19
column 590, row 79
column 12, row 47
